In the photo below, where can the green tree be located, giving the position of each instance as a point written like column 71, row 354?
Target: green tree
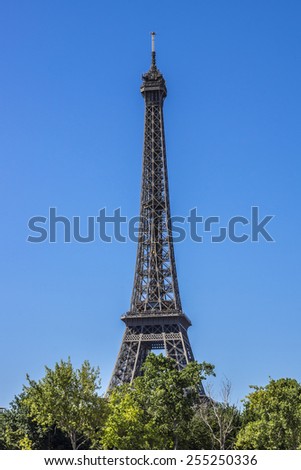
column 160, row 408
column 68, row 399
column 2, row 432
column 198, row 435
column 124, row 428
column 19, row 431
column 272, row 417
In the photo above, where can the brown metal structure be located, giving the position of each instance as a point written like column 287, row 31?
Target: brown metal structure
column 155, row 319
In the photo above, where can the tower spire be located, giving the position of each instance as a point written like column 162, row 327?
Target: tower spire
column 155, row 319
column 153, row 34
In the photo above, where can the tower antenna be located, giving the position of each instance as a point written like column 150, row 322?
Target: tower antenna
column 153, row 34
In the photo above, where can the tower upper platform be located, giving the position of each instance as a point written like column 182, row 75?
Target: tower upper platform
column 153, row 80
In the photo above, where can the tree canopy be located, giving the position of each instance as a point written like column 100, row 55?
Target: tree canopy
column 161, row 409
column 272, row 417
column 68, row 399
column 155, row 410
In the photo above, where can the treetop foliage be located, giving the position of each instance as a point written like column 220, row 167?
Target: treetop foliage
column 272, row 417
column 161, row 409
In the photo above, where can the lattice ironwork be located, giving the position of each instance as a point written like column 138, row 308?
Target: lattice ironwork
column 155, row 319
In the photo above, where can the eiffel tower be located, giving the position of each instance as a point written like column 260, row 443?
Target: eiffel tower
column 155, row 319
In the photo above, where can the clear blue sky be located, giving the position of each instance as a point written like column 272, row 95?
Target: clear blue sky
column 71, row 127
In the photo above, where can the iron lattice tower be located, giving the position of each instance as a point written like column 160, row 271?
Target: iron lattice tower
column 155, row 319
